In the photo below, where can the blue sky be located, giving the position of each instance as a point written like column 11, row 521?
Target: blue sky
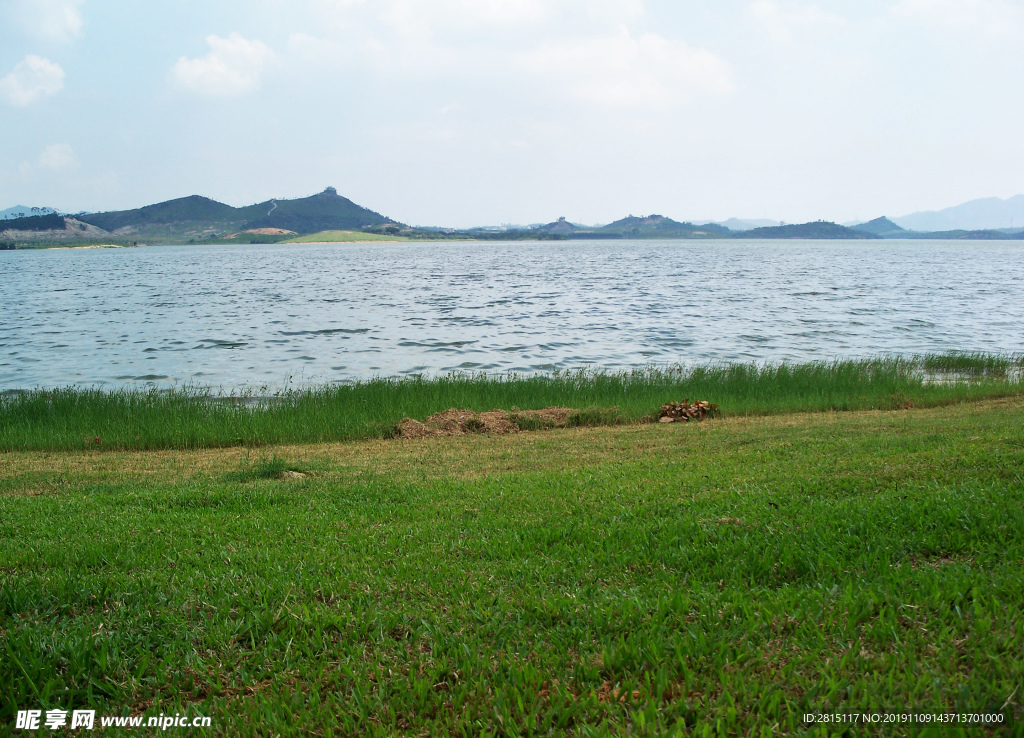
column 468, row 112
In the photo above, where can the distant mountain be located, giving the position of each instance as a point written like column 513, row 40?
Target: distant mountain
column 651, row 226
column 562, row 226
column 984, row 214
column 20, row 211
column 880, row 227
column 818, row 229
column 739, row 224
column 197, row 217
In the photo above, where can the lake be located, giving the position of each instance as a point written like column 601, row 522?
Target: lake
column 274, row 315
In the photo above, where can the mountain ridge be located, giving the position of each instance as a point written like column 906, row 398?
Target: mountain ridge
column 196, row 216
column 987, row 213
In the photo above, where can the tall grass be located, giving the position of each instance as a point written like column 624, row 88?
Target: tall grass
column 76, row 418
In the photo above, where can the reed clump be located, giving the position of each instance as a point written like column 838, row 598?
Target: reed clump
column 191, row 417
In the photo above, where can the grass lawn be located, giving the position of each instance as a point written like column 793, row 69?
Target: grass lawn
column 719, row 578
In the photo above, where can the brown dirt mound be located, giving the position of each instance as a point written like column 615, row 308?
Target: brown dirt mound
column 499, row 422
column 684, row 412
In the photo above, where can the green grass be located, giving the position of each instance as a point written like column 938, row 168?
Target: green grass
column 343, row 237
column 264, row 467
column 720, row 578
column 76, row 418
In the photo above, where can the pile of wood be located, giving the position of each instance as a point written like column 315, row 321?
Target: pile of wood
column 684, row 412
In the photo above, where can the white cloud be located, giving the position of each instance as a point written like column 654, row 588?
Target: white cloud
column 233, row 67
column 785, row 21
column 615, row 12
column 628, row 70
column 991, row 17
column 419, row 15
column 577, row 49
column 54, row 158
column 52, row 20
column 32, row 79
column 58, row 156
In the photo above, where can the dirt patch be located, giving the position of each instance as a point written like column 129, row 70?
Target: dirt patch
column 684, row 412
column 270, row 232
column 263, row 232
column 497, row 422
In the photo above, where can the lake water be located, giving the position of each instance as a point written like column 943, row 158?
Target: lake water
column 249, row 316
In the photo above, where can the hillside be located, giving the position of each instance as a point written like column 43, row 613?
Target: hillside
column 43, row 229
column 880, row 227
column 658, row 226
column 35, row 223
column 962, row 235
column 562, row 226
column 199, row 218
column 326, row 211
column 818, row 229
column 194, row 210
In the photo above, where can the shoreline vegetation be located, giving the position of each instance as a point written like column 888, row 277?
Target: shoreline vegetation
column 716, row 578
column 345, row 237
column 73, row 418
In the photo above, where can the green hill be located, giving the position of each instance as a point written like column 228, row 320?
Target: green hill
column 51, row 222
column 651, row 226
column 194, row 209
column 658, row 226
column 818, row 229
column 326, row 211
column 561, row 226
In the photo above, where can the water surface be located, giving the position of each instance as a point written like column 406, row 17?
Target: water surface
column 254, row 315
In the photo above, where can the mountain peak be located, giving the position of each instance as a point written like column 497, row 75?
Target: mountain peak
column 879, row 227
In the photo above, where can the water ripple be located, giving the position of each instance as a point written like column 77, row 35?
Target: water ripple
column 174, row 314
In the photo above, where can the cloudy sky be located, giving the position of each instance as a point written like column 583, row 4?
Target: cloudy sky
column 469, row 112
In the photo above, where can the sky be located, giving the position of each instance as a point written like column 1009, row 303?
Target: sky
column 478, row 112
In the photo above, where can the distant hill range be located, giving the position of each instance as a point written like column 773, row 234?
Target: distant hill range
column 197, row 217
column 20, row 211
column 990, row 213
column 740, row 224
column 649, row 226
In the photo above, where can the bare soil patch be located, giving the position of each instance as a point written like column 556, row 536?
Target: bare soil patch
column 498, row 422
column 263, row 232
